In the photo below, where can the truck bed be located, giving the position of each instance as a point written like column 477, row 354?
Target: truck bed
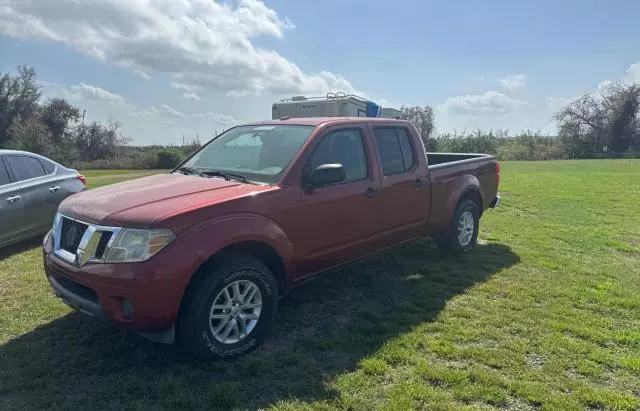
column 441, row 160
column 447, row 171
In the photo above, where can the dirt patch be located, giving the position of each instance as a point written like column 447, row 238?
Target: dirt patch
column 634, row 241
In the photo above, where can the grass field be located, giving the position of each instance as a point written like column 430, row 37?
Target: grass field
column 545, row 313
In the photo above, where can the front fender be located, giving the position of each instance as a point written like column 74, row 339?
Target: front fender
column 207, row 238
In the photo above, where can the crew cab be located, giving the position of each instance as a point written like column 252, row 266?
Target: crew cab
column 202, row 254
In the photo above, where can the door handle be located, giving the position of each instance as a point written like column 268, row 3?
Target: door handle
column 418, row 182
column 370, row 193
column 14, row 199
column 54, row 189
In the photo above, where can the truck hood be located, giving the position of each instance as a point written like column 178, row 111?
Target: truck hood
column 144, row 201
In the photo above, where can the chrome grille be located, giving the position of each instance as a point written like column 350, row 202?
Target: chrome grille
column 78, row 242
column 71, row 233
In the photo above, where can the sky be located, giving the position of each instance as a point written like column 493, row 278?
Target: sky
column 173, row 69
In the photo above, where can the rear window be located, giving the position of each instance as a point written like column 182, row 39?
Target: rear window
column 25, row 168
column 49, row 167
column 395, row 148
column 4, row 175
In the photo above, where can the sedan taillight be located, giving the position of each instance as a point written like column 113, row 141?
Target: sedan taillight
column 83, row 179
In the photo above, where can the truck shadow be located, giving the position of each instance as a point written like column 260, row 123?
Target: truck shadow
column 324, row 329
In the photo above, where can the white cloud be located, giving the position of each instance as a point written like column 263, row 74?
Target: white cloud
column 168, row 111
column 197, row 42
column 221, row 119
column 84, row 91
column 514, row 82
column 556, row 103
column 490, row 103
column 141, row 74
column 633, row 73
column 190, row 96
column 630, row 76
column 185, row 87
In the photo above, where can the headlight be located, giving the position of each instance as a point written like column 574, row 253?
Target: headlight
column 133, row 245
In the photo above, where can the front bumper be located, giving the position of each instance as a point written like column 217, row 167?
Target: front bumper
column 76, row 301
column 143, row 297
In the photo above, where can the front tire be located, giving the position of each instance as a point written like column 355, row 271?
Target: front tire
column 232, row 311
column 462, row 235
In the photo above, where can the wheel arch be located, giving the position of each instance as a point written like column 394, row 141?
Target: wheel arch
column 467, row 186
column 261, row 251
column 474, row 194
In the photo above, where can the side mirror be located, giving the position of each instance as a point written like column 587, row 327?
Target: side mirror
column 326, row 174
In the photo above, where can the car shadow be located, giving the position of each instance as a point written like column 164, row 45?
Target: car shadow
column 25, row 245
column 324, row 329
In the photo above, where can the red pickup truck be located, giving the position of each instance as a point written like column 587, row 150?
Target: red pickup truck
column 202, row 254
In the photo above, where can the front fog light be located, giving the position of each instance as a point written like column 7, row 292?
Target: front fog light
column 134, row 244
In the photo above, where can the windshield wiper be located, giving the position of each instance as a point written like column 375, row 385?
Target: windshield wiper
column 227, row 176
column 190, row 170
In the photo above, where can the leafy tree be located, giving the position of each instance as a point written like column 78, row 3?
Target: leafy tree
column 59, row 116
column 94, row 141
column 29, row 134
column 622, row 103
column 422, row 118
column 19, row 96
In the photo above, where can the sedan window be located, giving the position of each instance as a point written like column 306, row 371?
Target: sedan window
column 25, row 168
column 49, row 167
column 4, row 175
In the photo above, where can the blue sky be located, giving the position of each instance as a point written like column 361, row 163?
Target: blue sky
column 164, row 69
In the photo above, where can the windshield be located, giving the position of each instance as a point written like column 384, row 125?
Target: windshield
column 259, row 153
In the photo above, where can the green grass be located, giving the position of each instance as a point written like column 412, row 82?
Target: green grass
column 545, row 313
column 97, row 178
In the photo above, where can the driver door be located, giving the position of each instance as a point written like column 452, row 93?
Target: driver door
column 336, row 223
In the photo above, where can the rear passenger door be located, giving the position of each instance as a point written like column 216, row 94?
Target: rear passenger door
column 57, row 189
column 404, row 181
column 32, row 191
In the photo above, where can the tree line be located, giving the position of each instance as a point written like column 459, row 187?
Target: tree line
column 57, row 129
column 601, row 124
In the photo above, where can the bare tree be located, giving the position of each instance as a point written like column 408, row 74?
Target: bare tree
column 593, row 121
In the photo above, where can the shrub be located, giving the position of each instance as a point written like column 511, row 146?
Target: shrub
column 168, row 159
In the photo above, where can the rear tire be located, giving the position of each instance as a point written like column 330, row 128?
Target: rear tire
column 232, row 311
column 462, row 235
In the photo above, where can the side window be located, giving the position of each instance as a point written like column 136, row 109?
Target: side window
column 49, row 167
column 396, row 152
column 344, row 147
column 390, row 150
column 4, row 175
column 405, row 145
column 25, row 167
